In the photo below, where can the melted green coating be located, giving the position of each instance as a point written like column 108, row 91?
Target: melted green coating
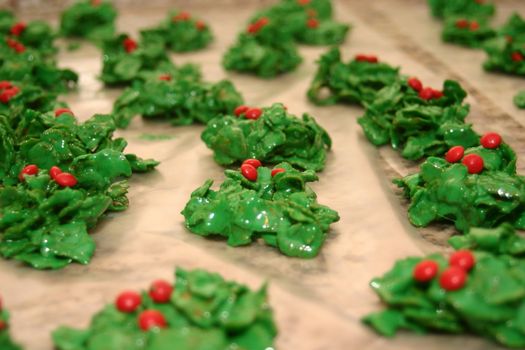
column 519, row 99
column 269, row 52
column 442, row 191
column 7, row 19
column 446, row 8
column 28, row 97
column 491, row 303
column 6, row 343
column 418, row 127
column 500, row 54
column 514, row 28
column 353, row 82
column 46, row 225
column 276, row 136
column 182, row 100
column 282, row 210
column 121, row 67
column 181, row 34
column 85, row 19
column 468, row 36
column 205, row 313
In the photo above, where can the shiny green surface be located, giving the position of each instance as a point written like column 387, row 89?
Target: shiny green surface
column 519, row 99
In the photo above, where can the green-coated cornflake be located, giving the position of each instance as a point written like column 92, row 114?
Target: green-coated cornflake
column 180, row 99
column 276, row 136
column 353, row 82
column 444, row 191
column 90, row 19
column 505, row 56
column 265, row 49
column 470, row 8
column 280, row 209
column 24, row 96
column 514, row 28
column 415, row 126
column 7, row 19
column 205, row 312
column 181, row 32
column 6, row 343
column 490, row 304
column 519, row 99
column 467, row 31
column 125, row 60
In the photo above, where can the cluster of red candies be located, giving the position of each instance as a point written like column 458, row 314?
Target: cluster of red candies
column 7, row 91
column 249, row 169
column 16, row 30
column 426, row 93
column 466, row 24
column 248, row 112
column 254, row 28
column 130, row 45
column 186, row 16
column 129, row 301
column 366, row 58
column 63, row 179
column 453, row 277
column 473, row 162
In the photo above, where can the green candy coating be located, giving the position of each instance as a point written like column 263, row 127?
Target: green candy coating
column 446, row 8
column 500, row 53
column 6, row 343
column 519, row 99
column 470, row 37
column 83, row 19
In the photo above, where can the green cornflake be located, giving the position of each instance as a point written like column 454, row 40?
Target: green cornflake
column 181, row 32
column 417, row 127
column 444, row 191
column 121, row 67
column 205, row 313
column 6, row 343
column 178, row 96
column 353, row 82
column 467, row 31
column 519, row 99
column 280, row 209
column 490, row 304
column 41, row 223
column 513, row 29
column 26, row 96
column 276, row 136
column 89, row 19
column 470, row 8
column 505, row 56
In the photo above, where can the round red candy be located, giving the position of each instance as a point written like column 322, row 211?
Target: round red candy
column 312, row 23
column 60, row 111
column 65, row 180
column 453, row 278
column 7, row 94
column 18, row 28
column 253, row 113
column 249, row 172
column 160, row 291
column 490, row 140
column 462, row 23
column 277, row 171
column 516, row 57
column 200, row 25
column 454, row 154
column 303, row 2
column 54, row 171
column 4, row 84
column 463, row 259
column 474, row 163
column 182, row 16
column 151, row 319
column 415, row 84
column 240, row 110
column 128, row 301
column 30, row 169
column 437, row 94
column 425, row 270
column 165, row 77
column 474, row 25
column 130, row 45
column 253, row 162
column 3, row 325
column 426, row 93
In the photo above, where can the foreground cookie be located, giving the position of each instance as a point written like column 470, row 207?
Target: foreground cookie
column 473, row 187
column 357, row 81
column 201, row 311
column 270, row 134
column 418, row 121
column 90, row 19
column 5, row 339
column 258, row 202
column 478, row 292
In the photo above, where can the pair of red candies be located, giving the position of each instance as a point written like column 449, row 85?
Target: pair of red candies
column 465, row 23
column 473, row 162
column 455, row 275
column 160, row 292
column 249, row 169
column 7, row 91
column 248, row 112
column 425, row 93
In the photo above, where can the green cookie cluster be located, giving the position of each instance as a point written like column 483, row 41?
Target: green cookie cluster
column 6, row 343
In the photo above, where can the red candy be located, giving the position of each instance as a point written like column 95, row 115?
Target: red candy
column 463, row 259
column 7, row 94
column 30, row 169
column 426, row 93
column 253, row 113
column 60, row 111
column 54, row 171
column 3, row 325
column 277, row 171
column 65, row 180
column 516, row 57
column 255, row 27
column 303, row 2
column 160, row 291
column 128, row 301
column 249, row 172
column 474, row 163
column 165, row 77
column 462, row 23
column 454, row 154
column 182, row 16
column 151, row 319
column 200, row 25
column 453, row 278
column 474, row 25
column 15, row 45
column 312, row 23
column 95, row 2
column 436, row 94
column 490, row 140
column 4, row 84
column 366, row 58
column 130, row 45
column 18, row 28
column 253, row 162
column 425, row 270
column 240, row 110
column 415, row 84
